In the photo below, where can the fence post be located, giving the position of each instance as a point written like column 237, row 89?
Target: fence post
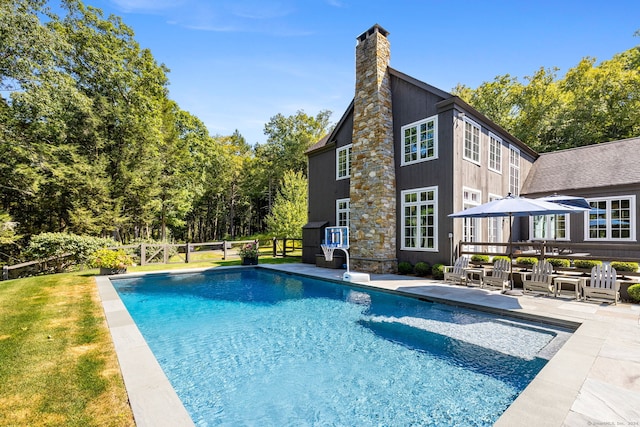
column 186, row 253
column 5, row 272
column 224, row 249
column 275, row 246
column 166, row 254
column 143, row 254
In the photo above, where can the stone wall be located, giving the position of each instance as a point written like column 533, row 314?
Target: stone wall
column 373, row 187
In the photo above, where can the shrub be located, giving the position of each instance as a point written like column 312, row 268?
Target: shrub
column 109, row 258
column 625, row 266
column 422, row 269
column 479, row 259
column 499, row 257
column 524, row 260
column 586, row 263
column 559, row 262
column 437, row 271
column 634, row 292
column 405, row 267
column 78, row 248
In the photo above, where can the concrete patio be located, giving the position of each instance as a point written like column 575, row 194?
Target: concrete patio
column 594, row 379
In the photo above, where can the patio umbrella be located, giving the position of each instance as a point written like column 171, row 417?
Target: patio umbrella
column 516, row 206
column 578, row 202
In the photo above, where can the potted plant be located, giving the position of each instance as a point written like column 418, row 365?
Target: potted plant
column 249, row 253
column 110, row 261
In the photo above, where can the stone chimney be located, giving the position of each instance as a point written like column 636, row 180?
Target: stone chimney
column 373, row 184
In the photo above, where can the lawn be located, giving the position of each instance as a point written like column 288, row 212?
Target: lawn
column 57, row 362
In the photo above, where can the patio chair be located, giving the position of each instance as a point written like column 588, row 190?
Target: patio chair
column 500, row 275
column 540, row 279
column 603, row 284
column 456, row 273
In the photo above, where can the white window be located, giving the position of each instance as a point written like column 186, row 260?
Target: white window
column 495, row 153
column 471, row 141
column 549, row 227
column 342, row 212
column 611, row 218
column 494, row 228
column 343, row 162
column 420, row 219
column 470, row 226
column 514, row 170
column 420, row 141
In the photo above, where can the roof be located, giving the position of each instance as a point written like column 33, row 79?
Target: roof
column 600, row 165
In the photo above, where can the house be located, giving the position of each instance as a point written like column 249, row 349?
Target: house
column 405, row 154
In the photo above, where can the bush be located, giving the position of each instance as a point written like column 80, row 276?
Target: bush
column 78, row 248
column 111, row 259
column 405, row 267
column 499, row 257
column 586, row 263
column 524, row 260
column 422, row 269
column 437, row 271
column 559, row 262
column 634, row 292
column 625, row 266
column 479, row 259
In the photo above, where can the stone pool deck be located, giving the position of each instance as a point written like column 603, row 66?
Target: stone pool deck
column 594, row 379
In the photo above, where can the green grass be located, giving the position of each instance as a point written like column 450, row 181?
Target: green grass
column 58, row 366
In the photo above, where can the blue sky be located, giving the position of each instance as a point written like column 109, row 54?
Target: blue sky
column 236, row 63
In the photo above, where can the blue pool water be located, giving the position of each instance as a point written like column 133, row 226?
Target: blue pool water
column 256, row 347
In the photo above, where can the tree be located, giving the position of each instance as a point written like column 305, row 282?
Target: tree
column 289, row 212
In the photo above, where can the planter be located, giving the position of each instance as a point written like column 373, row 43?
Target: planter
column 250, row 261
column 111, row 271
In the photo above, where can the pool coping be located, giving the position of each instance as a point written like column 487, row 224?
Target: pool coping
column 593, row 378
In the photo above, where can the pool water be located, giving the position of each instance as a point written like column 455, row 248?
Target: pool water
column 257, row 347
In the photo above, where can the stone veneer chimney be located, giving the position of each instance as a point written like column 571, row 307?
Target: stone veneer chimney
column 373, row 184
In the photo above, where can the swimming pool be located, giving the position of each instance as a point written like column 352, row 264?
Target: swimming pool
column 260, row 347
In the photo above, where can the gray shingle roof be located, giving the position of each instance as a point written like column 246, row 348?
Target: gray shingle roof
column 599, row 165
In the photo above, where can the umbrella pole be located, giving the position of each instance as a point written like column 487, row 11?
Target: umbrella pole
column 511, row 251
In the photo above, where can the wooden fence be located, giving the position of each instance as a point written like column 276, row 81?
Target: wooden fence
column 168, row 253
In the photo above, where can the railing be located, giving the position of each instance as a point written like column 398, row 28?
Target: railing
column 542, row 249
column 166, row 253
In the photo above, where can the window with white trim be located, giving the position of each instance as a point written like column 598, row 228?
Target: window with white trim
column 514, row 170
column 611, row 218
column 471, row 141
column 343, row 212
column 420, row 141
column 420, row 219
column 494, row 230
column 343, row 162
column 549, row 227
column 470, row 226
column 495, row 153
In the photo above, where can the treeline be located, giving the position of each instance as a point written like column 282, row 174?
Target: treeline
column 92, row 144
column 590, row 104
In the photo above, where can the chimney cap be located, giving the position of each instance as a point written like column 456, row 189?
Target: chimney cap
column 362, row 37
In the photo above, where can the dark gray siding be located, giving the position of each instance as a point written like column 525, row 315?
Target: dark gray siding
column 411, row 104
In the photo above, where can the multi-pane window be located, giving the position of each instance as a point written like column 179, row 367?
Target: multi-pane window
column 612, row 218
column 495, row 153
column 342, row 212
column 343, row 162
column 494, row 230
column 420, row 141
column 550, row 227
column 514, row 171
column 470, row 226
column 471, row 141
column 419, row 219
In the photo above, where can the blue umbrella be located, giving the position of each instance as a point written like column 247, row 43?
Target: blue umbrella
column 578, row 202
column 516, row 206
